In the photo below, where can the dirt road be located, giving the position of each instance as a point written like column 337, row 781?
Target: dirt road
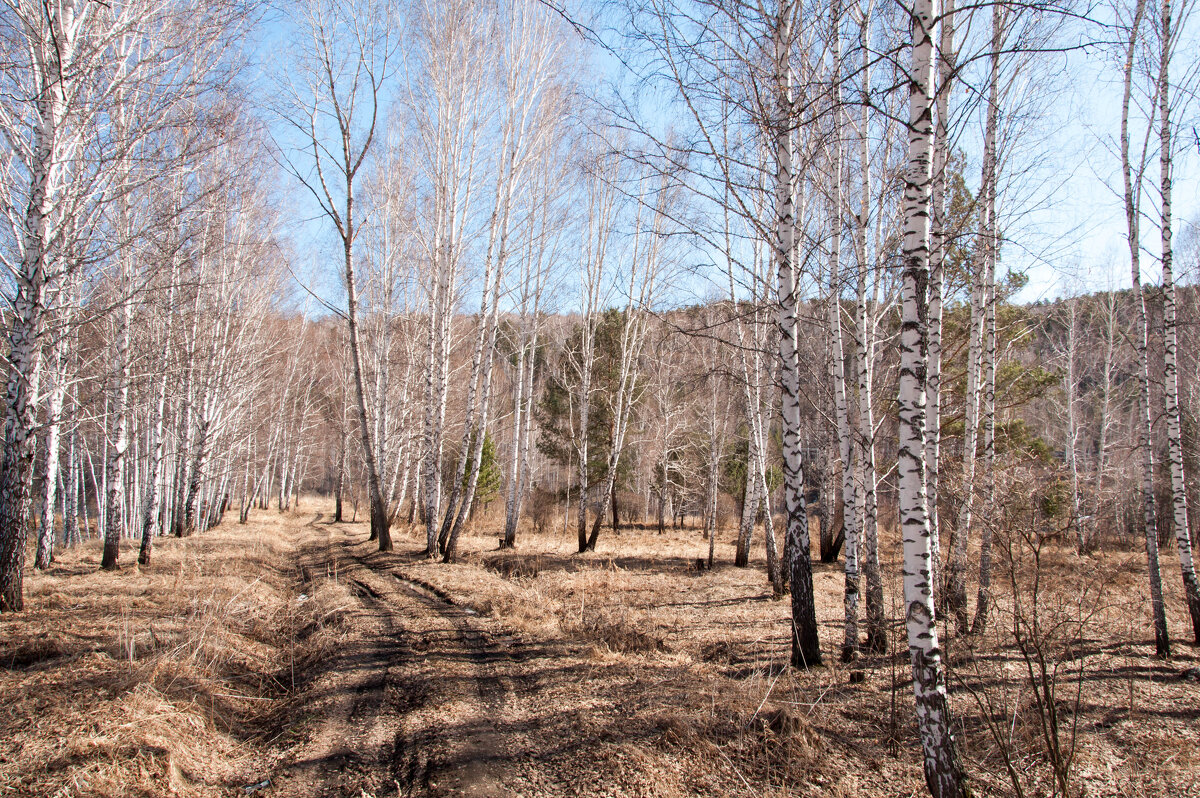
column 425, row 697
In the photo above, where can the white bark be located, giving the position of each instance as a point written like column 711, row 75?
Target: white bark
column 1179, row 508
column 1132, row 174
column 806, row 646
column 838, row 360
column 946, row 66
column 943, row 773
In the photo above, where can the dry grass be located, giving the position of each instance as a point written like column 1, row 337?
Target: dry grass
column 154, row 681
column 714, row 641
column 180, row 679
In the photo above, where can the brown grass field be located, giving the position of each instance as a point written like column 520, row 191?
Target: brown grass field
column 287, row 658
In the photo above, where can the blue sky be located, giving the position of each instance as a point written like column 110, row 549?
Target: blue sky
column 1067, row 234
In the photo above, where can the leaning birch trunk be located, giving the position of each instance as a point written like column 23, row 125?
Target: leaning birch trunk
column 480, row 427
column 1132, row 177
column 435, row 371
column 479, row 386
column 474, row 399
column 631, row 346
column 639, row 287
column 1179, row 509
column 806, row 645
column 944, row 775
column 592, row 265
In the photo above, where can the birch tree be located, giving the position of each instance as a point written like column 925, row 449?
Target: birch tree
column 943, row 773
column 1132, row 172
column 64, row 80
column 806, row 646
column 531, row 91
column 643, row 266
column 448, row 93
column 1168, row 38
column 532, row 281
column 344, row 63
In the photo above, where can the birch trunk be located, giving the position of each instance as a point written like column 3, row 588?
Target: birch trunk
column 984, row 597
column 26, row 327
column 877, row 634
column 750, row 496
column 71, row 492
column 512, row 509
column 947, row 66
column 1179, row 509
column 152, row 505
column 806, row 646
column 475, row 428
column 1071, row 450
column 943, row 773
column 838, row 360
column 54, row 405
column 1132, row 176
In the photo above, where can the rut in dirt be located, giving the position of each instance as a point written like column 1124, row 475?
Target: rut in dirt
column 412, row 703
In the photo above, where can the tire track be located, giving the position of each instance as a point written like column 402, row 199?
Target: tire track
column 348, row 749
column 421, row 700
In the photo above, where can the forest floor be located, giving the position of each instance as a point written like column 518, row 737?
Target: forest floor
column 288, row 658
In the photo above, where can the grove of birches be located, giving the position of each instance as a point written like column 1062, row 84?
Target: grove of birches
column 757, row 266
